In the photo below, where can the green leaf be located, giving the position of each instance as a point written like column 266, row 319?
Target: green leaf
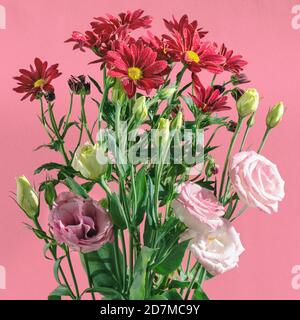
column 173, row 259
column 116, row 212
column 49, row 166
column 199, row 294
column 107, row 293
column 142, row 195
column 102, row 267
column 96, row 84
column 172, row 295
column 138, row 287
column 59, row 292
column 181, row 284
column 88, row 186
column 56, row 269
column 76, row 187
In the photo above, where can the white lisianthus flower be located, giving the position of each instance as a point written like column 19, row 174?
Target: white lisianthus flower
column 217, row 250
column 86, row 161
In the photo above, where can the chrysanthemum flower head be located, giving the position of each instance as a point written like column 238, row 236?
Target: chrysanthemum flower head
column 37, row 80
column 137, row 67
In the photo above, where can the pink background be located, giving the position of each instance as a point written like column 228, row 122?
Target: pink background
column 259, row 29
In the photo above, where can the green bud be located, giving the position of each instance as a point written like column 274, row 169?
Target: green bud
column 248, row 103
column 211, row 167
column 50, row 193
column 27, row 197
column 140, row 110
column 166, row 93
column 250, row 122
column 163, row 133
column 86, row 161
column 177, row 121
column 118, row 93
column 275, row 115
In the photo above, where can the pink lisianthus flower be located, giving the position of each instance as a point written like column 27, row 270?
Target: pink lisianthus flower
column 80, row 223
column 196, row 206
column 257, row 181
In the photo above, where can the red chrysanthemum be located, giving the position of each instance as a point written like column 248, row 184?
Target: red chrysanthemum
column 156, row 44
column 233, row 63
column 184, row 24
column 208, row 100
column 36, row 80
column 137, row 67
column 128, row 21
column 185, row 45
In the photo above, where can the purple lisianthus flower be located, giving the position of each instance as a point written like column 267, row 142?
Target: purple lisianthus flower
column 80, row 223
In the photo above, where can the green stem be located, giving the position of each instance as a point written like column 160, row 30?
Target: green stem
column 267, row 132
column 213, row 80
column 68, row 115
column 124, row 259
column 55, row 128
column 88, row 272
column 232, row 142
column 117, row 255
column 192, row 282
column 130, row 258
column 83, row 118
column 38, row 226
column 246, row 131
column 72, row 272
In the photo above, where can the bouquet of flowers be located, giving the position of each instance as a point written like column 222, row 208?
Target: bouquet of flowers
column 163, row 223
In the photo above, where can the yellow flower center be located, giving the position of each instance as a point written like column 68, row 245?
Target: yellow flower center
column 39, row 83
column 135, row 73
column 193, row 56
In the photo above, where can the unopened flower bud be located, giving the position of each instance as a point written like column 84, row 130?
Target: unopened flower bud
column 231, row 126
column 219, row 87
column 27, row 197
column 211, row 167
column 166, row 93
column 50, row 96
column 163, row 131
column 248, row 103
column 118, row 93
column 50, row 193
column 275, row 115
column 177, row 121
column 236, row 93
column 251, row 121
column 79, row 85
column 237, row 79
column 86, row 161
column 140, row 110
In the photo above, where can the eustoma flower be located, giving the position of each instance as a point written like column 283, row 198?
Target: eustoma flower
column 137, row 67
column 257, row 181
column 86, row 161
column 197, row 207
column 37, row 80
column 217, row 250
column 80, row 223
